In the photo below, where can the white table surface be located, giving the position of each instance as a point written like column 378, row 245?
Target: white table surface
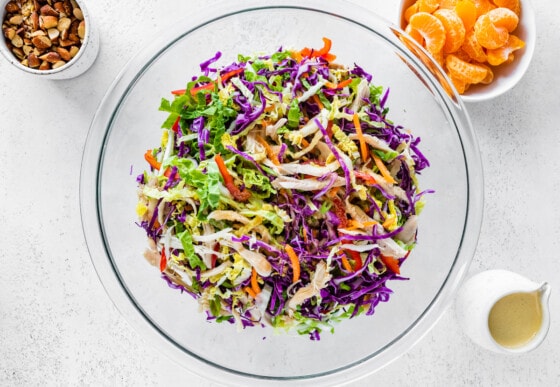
column 58, row 326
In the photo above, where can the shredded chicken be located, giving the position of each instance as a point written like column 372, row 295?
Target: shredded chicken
column 319, row 280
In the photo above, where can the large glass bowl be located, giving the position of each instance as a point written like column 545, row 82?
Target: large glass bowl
column 128, row 121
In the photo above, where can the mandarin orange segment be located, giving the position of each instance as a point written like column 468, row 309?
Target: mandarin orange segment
column 464, row 71
column 483, row 6
column 504, row 17
column 473, row 48
column 489, row 75
column 428, row 5
column 454, row 29
column 514, row 5
column 447, row 4
column 410, row 11
column 414, row 34
column 504, row 54
column 459, row 84
column 467, row 12
column 431, row 29
column 489, row 35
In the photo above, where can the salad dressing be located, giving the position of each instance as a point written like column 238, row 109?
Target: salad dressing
column 516, row 319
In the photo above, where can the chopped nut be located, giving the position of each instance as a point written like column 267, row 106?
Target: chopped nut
column 82, row 29
column 45, row 65
column 17, row 41
column 34, row 20
column 9, row 33
column 18, row 52
column 53, row 33
column 58, row 64
column 48, row 21
column 64, row 23
column 37, row 33
column 51, row 57
column 33, row 61
column 64, row 53
column 27, row 49
column 66, row 42
column 47, row 10
column 78, row 14
column 16, row 20
column 59, row 7
column 12, row 7
column 41, row 42
column 74, row 51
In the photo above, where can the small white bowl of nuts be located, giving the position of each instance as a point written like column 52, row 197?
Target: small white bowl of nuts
column 53, row 39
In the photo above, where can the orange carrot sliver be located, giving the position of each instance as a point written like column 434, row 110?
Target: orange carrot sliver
column 345, row 263
column 149, row 157
column 254, row 283
column 383, row 169
column 270, row 153
column 363, row 145
column 179, row 92
column 208, row 86
column 230, row 74
column 250, row 291
column 295, row 263
column 317, row 100
column 338, row 85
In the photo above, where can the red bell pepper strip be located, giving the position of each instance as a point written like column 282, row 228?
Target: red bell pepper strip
column 162, row 261
column 391, row 263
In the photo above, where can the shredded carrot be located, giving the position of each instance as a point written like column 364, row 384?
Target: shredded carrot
column 332, row 193
column 229, row 74
column 304, row 234
column 149, row 157
column 162, row 261
column 250, row 291
column 363, row 145
column 338, row 85
column 318, row 101
column 345, row 263
column 295, row 262
column 269, row 152
column 179, row 92
column 241, row 196
column 254, row 283
column 304, row 142
column 383, row 169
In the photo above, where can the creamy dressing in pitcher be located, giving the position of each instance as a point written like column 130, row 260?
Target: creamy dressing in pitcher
column 515, row 319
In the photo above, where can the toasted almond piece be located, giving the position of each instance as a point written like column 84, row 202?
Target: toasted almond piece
column 47, row 10
column 9, row 33
column 53, row 33
column 59, row 7
column 64, row 53
column 51, row 57
column 25, row 63
column 64, row 23
column 12, row 7
column 33, row 61
column 82, row 29
column 48, row 21
column 65, row 42
column 41, row 42
column 18, row 52
column 27, row 49
column 78, row 14
column 37, row 33
column 74, row 51
column 17, row 41
column 58, row 64
column 16, row 20
column 34, row 20
column 44, row 65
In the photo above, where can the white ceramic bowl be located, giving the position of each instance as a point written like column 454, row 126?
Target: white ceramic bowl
column 78, row 65
column 506, row 76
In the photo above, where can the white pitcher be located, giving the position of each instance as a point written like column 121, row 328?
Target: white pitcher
column 478, row 310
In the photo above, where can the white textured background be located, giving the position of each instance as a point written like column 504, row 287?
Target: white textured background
column 57, row 325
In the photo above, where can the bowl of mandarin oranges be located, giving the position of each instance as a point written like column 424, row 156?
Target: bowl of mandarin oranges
column 484, row 46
